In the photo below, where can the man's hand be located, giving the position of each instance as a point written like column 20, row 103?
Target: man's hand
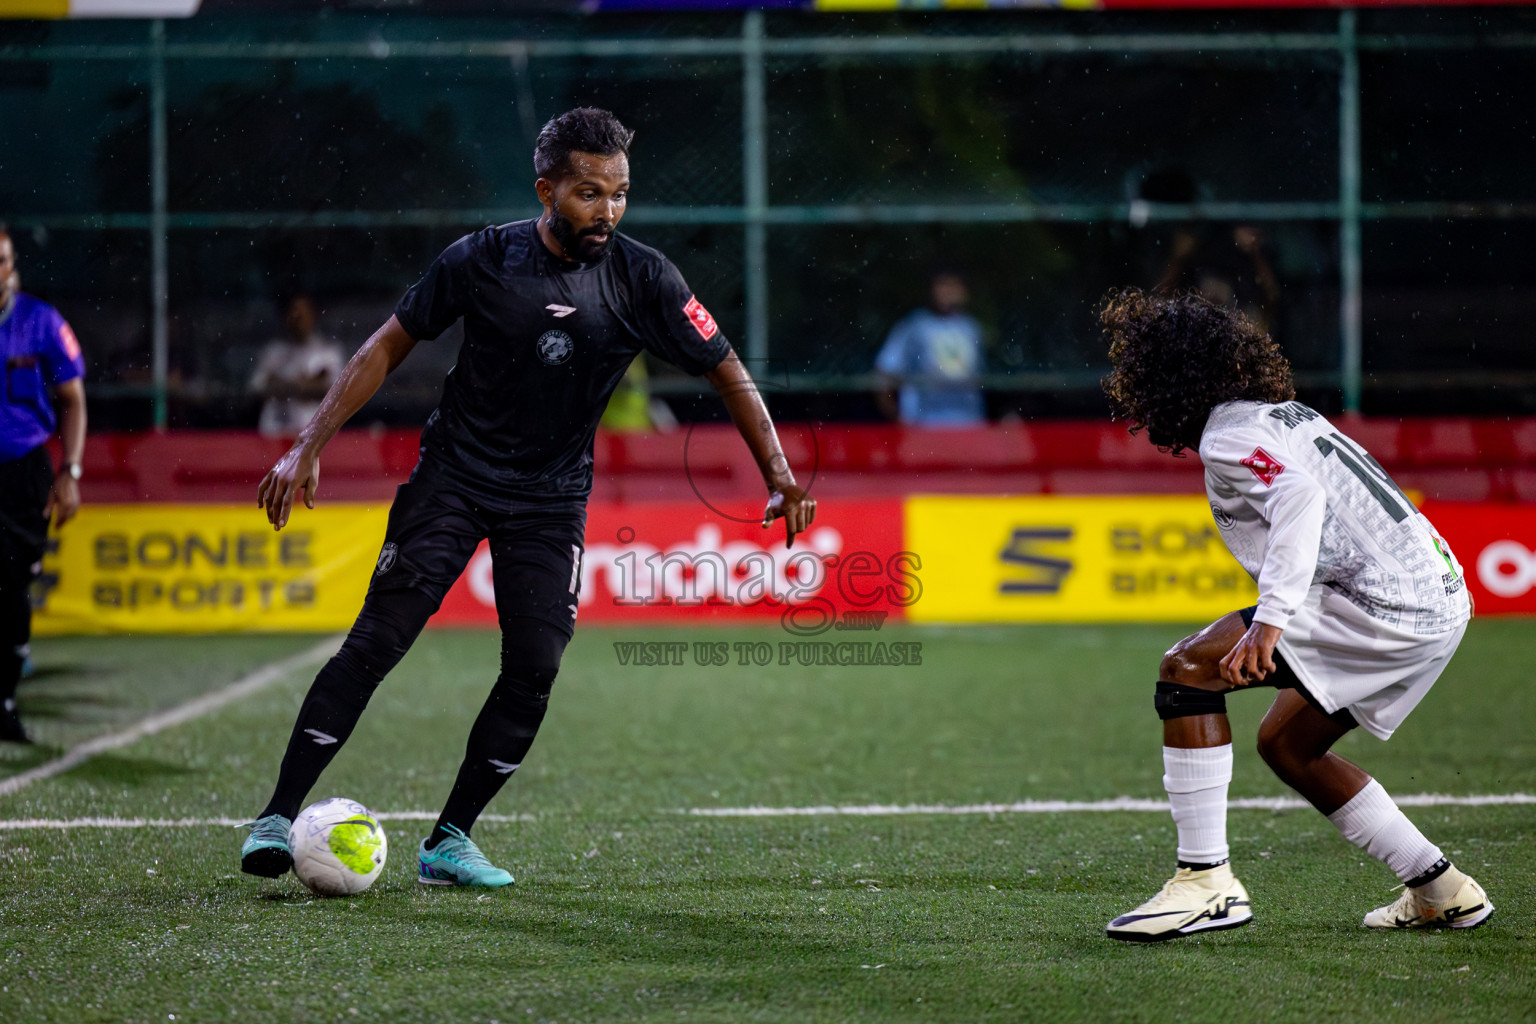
column 797, row 508
column 298, row 470
column 1254, row 656
column 63, row 500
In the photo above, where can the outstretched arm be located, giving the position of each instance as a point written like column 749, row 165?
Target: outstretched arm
column 745, row 404
column 299, row 469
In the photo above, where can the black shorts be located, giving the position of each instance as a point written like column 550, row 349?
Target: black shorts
column 1284, row 678
column 24, row 486
column 536, row 547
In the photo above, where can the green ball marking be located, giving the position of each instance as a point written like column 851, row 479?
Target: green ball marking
column 354, row 842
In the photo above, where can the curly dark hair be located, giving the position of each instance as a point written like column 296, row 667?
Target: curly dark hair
column 1177, row 357
column 583, row 130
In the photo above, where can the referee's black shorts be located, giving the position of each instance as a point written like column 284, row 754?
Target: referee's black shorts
column 435, row 525
column 24, row 486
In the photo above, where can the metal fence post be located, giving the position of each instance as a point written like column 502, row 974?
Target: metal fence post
column 1351, row 283
column 754, row 175
column 159, row 258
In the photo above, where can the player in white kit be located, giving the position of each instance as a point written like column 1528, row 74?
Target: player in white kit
column 1361, row 605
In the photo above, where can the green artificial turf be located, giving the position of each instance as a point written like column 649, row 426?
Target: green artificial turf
column 627, row 907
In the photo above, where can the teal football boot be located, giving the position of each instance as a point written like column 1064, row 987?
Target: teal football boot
column 266, row 851
column 458, row 861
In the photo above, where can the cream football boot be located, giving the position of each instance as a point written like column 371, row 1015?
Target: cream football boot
column 1454, row 900
column 1191, row 901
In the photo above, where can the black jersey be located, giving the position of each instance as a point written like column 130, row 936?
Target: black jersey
column 545, row 344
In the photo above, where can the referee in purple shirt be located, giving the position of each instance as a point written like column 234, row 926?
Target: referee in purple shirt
column 42, row 368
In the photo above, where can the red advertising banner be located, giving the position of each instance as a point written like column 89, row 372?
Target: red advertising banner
column 681, row 562
column 1496, row 546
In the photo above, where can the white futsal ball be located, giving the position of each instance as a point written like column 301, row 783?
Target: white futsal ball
column 338, row 847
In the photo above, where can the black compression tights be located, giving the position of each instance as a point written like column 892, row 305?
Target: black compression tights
column 503, row 732
column 385, row 629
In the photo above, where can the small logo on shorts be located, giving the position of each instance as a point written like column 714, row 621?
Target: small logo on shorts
column 386, row 558
column 1223, row 518
column 555, row 347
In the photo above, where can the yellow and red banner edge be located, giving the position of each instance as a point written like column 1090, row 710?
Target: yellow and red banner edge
column 146, row 568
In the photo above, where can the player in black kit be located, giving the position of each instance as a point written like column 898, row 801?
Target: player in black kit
column 554, row 311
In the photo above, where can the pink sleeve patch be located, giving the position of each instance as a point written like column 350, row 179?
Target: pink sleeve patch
column 700, row 318
column 1264, row 466
column 69, row 341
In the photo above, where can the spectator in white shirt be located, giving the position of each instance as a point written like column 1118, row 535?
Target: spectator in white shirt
column 294, row 372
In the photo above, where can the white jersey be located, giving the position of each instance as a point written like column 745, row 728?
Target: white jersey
column 1302, row 506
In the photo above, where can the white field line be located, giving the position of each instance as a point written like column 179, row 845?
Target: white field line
column 1123, row 803
column 162, row 720
column 1119, row 803
column 71, row 823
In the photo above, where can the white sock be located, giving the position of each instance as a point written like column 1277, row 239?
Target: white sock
column 1196, row 779
column 1379, row 827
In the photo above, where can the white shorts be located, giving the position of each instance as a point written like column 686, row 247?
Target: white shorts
column 1346, row 659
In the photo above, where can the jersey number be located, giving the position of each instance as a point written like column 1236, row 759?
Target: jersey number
column 1370, row 473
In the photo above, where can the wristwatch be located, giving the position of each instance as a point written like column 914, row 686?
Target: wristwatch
column 72, row 468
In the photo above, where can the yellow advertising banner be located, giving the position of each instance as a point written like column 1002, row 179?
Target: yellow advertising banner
column 206, row 568
column 1060, row 559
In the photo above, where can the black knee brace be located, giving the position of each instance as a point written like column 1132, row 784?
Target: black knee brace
column 1175, row 700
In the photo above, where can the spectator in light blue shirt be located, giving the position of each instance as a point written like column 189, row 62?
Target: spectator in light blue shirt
column 933, row 356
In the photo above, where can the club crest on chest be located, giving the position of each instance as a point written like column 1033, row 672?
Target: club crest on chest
column 555, row 347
